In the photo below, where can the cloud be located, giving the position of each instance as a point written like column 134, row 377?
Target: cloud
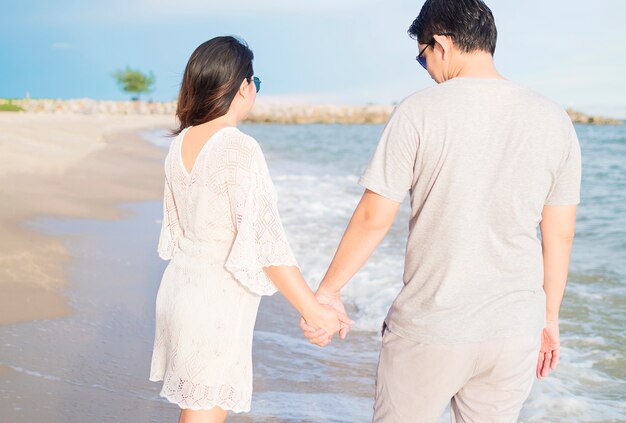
column 59, row 45
column 159, row 10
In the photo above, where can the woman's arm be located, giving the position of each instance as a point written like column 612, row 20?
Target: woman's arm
column 261, row 257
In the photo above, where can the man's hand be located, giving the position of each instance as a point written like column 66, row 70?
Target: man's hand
column 550, row 349
column 326, row 318
column 320, row 337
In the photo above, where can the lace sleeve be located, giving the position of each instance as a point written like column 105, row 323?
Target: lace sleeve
column 170, row 228
column 260, row 240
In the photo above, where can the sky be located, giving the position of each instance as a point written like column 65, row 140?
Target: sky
column 323, row 51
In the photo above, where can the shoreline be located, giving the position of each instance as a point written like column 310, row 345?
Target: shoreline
column 261, row 113
column 66, row 166
column 93, row 364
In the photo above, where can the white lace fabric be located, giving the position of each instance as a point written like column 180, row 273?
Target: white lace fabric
column 220, row 227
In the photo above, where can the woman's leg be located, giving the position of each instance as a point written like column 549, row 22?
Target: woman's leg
column 214, row 415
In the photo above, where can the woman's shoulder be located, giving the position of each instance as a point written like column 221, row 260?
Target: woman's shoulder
column 235, row 139
column 173, row 148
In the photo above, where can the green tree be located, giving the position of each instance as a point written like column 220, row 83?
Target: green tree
column 134, row 81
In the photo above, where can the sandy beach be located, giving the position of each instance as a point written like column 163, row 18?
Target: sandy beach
column 77, row 305
column 69, row 166
column 79, row 276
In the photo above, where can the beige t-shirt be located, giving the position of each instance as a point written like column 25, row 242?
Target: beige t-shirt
column 480, row 158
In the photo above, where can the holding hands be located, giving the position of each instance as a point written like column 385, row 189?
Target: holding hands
column 322, row 313
column 368, row 226
column 321, row 334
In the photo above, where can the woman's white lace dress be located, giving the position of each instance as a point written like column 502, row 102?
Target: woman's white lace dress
column 220, row 228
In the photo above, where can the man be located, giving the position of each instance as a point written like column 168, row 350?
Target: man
column 485, row 161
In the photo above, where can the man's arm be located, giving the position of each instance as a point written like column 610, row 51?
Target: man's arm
column 368, row 226
column 557, row 234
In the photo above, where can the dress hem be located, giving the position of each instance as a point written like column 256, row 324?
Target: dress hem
column 225, row 408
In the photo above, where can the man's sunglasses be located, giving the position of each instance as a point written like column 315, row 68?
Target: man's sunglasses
column 420, row 57
column 257, row 83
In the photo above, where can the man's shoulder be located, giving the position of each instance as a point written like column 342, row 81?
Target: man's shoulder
column 439, row 95
column 455, row 90
column 452, row 87
column 418, row 98
column 544, row 111
column 540, row 102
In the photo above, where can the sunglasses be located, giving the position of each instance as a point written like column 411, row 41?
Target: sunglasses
column 420, row 57
column 257, row 83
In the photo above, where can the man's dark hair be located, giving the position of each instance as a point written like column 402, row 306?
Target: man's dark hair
column 469, row 23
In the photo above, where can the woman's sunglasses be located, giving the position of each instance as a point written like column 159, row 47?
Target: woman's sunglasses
column 257, row 83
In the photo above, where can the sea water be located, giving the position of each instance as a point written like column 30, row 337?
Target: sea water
column 316, row 168
column 93, row 365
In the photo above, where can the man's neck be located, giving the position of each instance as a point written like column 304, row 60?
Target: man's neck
column 476, row 65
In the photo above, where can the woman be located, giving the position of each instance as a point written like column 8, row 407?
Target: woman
column 227, row 247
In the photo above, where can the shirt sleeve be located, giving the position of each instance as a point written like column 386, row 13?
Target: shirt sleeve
column 170, row 228
column 566, row 186
column 260, row 240
column 390, row 171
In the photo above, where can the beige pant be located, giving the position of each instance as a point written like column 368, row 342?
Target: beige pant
column 483, row 381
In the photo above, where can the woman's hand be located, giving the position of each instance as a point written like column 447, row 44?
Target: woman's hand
column 319, row 336
column 326, row 320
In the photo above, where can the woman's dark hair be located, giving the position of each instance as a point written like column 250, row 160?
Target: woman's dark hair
column 469, row 23
column 212, row 77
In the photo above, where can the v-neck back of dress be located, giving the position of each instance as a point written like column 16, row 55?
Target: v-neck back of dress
column 208, row 143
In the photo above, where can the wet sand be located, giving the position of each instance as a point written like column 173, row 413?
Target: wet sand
column 93, row 364
column 69, row 166
column 79, row 280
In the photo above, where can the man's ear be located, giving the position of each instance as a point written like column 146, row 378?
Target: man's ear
column 445, row 43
